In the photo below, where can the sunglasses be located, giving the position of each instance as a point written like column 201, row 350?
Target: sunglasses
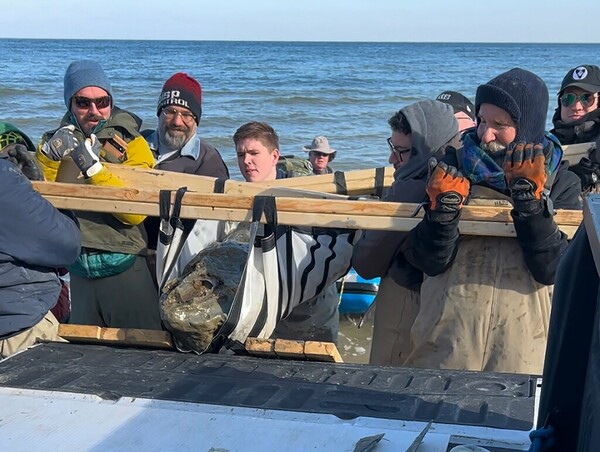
column 397, row 150
column 86, row 102
column 318, row 154
column 569, row 99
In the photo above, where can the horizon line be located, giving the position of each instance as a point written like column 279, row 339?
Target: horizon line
column 301, row 41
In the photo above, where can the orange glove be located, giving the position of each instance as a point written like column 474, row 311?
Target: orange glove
column 525, row 172
column 447, row 188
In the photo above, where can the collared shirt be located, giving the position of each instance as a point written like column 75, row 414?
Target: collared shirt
column 190, row 149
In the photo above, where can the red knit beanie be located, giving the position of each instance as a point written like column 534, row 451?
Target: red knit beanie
column 183, row 91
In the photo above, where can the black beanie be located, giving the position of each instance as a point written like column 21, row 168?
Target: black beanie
column 524, row 96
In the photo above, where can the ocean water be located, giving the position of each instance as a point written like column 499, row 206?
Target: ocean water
column 345, row 91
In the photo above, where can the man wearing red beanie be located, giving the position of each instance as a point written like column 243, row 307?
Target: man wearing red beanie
column 177, row 147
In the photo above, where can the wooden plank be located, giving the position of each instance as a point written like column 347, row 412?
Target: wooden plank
column 121, row 336
column 285, row 348
column 322, row 351
column 357, row 181
column 352, row 214
column 573, row 153
column 261, row 348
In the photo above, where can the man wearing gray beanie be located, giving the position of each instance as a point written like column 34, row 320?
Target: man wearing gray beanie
column 485, row 302
column 419, row 131
column 111, row 285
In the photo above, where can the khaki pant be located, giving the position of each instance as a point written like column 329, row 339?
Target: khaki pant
column 396, row 308
column 45, row 330
column 485, row 313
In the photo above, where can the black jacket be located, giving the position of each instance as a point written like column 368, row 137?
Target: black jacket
column 431, row 246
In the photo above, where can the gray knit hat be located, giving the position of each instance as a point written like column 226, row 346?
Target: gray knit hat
column 81, row 74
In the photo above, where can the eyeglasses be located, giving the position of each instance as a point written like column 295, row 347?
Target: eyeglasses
column 569, row 99
column 86, row 102
column 397, row 150
column 171, row 113
column 318, row 154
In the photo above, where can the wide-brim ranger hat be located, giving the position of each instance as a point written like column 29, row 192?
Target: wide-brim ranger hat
column 320, row 144
column 586, row 77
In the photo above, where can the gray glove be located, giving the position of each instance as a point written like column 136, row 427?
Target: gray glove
column 85, row 156
column 62, row 143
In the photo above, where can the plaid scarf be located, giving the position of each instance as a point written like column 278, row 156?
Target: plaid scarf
column 478, row 166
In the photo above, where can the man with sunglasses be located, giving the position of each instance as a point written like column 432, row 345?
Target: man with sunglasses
column 177, row 147
column 320, row 155
column 111, row 284
column 577, row 119
column 419, row 131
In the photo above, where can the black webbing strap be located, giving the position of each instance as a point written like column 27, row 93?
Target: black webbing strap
column 379, row 181
column 339, row 178
column 219, row 186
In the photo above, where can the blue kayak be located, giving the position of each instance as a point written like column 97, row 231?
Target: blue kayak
column 356, row 293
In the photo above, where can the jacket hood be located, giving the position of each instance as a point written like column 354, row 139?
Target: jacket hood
column 433, row 125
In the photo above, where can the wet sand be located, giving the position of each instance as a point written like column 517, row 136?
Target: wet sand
column 354, row 344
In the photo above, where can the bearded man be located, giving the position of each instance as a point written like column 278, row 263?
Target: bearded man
column 485, row 301
column 175, row 144
column 177, row 147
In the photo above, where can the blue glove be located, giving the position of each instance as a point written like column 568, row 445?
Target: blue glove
column 62, row 143
column 85, row 156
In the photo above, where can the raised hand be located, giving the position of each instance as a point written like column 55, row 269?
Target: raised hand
column 447, row 189
column 23, row 159
column 62, row 143
column 525, row 172
column 85, row 156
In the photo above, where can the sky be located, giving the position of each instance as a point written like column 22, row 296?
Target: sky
column 306, row 20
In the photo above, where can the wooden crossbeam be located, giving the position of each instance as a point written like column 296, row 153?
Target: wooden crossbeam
column 352, row 214
column 264, row 348
column 357, row 181
column 288, row 349
column 122, row 336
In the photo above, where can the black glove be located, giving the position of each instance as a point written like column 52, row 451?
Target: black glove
column 588, row 172
column 62, row 143
column 23, row 159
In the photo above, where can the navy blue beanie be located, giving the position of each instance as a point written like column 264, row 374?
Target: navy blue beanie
column 524, row 96
column 81, row 74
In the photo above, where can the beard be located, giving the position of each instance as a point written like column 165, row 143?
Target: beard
column 493, row 148
column 174, row 137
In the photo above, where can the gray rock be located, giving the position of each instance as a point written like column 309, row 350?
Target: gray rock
column 194, row 306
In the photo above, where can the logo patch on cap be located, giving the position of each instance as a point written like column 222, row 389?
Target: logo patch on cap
column 580, row 73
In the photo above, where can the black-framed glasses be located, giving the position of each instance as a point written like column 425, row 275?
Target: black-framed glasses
column 86, row 102
column 569, row 99
column 397, row 150
column 318, row 154
column 186, row 116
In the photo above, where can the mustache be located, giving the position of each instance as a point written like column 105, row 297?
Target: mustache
column 93, row 117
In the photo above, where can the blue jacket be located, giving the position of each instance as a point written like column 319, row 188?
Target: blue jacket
column 35, row 238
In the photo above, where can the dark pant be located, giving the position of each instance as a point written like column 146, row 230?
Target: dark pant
column 126, row 300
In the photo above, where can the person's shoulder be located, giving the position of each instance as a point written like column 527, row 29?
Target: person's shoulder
column 205, row 145
column 566, row 188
